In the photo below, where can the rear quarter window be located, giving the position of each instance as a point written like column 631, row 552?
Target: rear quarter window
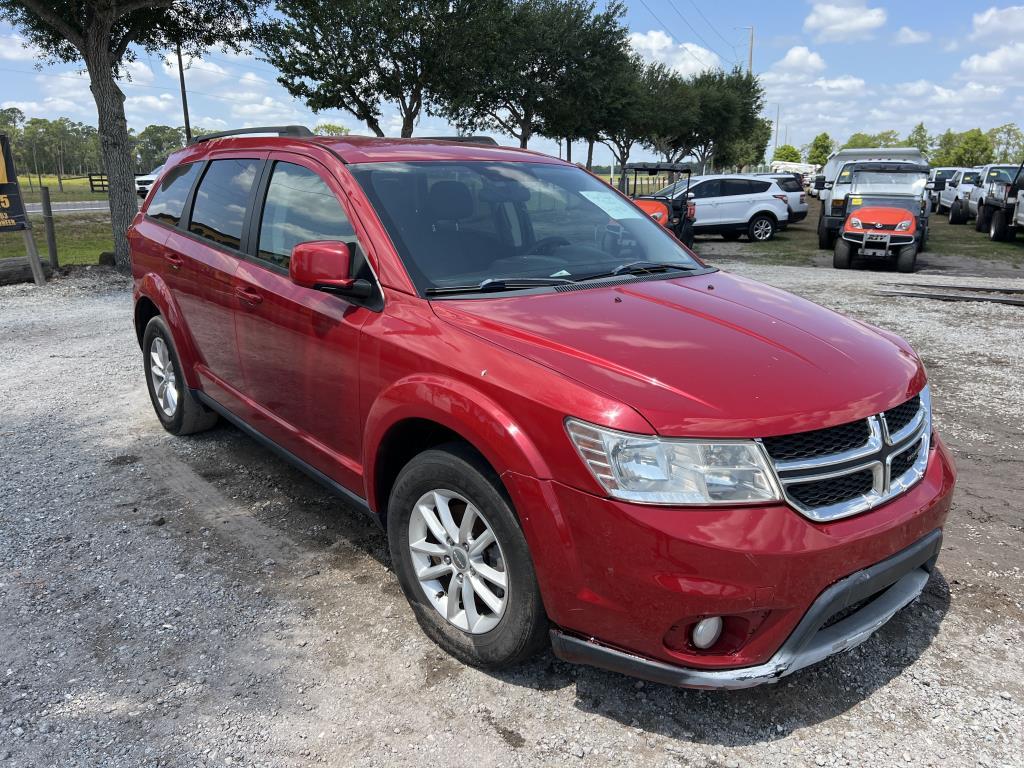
column 168, row 201
column 790, row 185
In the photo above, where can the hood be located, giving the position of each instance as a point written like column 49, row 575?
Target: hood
column 871, row 215
column 713, row 355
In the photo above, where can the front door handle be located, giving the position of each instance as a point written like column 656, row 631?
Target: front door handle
column 174, row 260
column 249, row 295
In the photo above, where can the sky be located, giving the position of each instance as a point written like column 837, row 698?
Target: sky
column 840, row 66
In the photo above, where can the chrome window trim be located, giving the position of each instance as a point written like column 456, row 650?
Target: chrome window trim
column 882, row 448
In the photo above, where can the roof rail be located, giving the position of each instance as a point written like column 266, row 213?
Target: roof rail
column 294, row 131
column 462, row 139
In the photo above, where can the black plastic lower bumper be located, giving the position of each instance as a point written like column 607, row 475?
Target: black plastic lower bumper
column 890, row 585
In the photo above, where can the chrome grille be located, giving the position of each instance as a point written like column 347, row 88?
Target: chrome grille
column 828, row 474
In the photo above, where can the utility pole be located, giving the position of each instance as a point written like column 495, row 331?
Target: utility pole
column 184, row 98
column 750, row 53
column 778, row 109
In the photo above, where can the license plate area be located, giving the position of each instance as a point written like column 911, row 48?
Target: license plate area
column 876, row 244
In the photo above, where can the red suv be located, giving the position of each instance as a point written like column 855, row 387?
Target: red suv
column 573, row 431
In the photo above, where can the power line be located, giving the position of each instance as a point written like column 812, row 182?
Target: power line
column 714, row 29
column 695, row 32
column 657, row 18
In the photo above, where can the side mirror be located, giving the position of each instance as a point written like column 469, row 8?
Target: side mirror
column 939, row 184
column 691, row 196
column 326, row 265
column 828, row 185
column 819, row 182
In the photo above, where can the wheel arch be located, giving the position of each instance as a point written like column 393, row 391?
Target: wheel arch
column 423, row 412
column 152, row 298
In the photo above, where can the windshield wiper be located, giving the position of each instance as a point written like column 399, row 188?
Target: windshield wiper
column 493, row 284
column 643, row 268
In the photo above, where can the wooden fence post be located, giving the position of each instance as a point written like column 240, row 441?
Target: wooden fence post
column 51, row 235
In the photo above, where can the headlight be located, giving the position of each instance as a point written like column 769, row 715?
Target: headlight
column 904, row 225
column 654, row 470
column 855, row 222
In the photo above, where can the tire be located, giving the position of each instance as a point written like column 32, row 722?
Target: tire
column 982, row 220
column 956, row 213
column 938, row 206
column 923, row 242
column 906, row 258
column 185, row 415
column 761, row 228
column 686, row 236
column 731, row 236
column 998, row 230
column 842, row 255
column 825, row 238
column 462, row 478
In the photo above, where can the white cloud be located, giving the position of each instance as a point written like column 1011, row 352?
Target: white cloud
column 908, row 36
column 800, row 59
column 1004, row 63
column 139, row 72
column 829, row 22
column 199, row 73
column 684, row 58
column 256, row 111
column 145, row 105
column 1001, row 23
column 13, row 48
column 842, row 84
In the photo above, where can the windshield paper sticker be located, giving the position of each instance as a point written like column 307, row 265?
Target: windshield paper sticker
column 613, row 205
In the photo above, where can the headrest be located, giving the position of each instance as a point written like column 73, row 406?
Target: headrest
column 449, row 201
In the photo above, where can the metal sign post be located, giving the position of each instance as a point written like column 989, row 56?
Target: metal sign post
column 12, row 209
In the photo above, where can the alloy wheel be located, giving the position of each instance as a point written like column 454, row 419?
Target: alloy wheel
column 762, row 229
column 458, row 561
column 161, row 373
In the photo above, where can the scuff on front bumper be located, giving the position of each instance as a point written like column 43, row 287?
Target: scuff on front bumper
column 884, row 588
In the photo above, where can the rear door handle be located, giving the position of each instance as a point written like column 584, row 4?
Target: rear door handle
column 249, row 295
column 174, row 260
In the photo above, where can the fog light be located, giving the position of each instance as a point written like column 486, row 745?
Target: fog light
column 707, row 632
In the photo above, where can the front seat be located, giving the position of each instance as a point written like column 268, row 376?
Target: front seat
column 454, row 249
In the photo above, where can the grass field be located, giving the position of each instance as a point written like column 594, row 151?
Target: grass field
column 799, row 243
column 81, row 237
column 74, row 189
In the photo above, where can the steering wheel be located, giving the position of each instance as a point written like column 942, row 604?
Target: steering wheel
column 545, row 245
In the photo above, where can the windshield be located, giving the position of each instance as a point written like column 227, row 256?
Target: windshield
column 944, row 173
column 462, row 223
column 899, row 182
column 881, row 201
column 970, row 178
column 1003, row 173
column 675, row 188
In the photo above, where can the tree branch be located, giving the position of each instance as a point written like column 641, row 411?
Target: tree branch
column 53, row 19
column 130, row 6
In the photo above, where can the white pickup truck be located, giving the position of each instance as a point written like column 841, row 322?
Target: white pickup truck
column 981, row 203
column 1003, row 204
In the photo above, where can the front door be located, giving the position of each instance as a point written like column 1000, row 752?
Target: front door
column 299, row 347
column 705, row 199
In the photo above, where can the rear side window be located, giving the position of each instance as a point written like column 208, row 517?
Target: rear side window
column 169, row 200
column 300, row 208
column 970, row 178
column 790, row 185
column 221, row 200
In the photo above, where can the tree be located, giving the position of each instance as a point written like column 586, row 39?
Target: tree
column 748, row 149
column 730, row 103
column 577, row 105
column 972, row 148
column 861, row 140
column 945, row 146
column 786, row 153
column 821, row 147
column 330, row 129
column 919, row 138
column 632, row 96
column 155, row 142
column 509, row 71
column 356, row 55
column 1007, row 144
column 676, row 117
column 101, row 34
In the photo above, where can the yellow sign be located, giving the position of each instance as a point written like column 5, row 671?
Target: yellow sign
column 12, row 211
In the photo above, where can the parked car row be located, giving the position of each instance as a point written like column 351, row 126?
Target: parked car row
column 989, row 194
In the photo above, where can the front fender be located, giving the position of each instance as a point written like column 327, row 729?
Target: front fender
column 457, row 406
column 151, row 286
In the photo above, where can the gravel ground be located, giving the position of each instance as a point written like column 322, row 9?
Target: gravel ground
column 195, row 601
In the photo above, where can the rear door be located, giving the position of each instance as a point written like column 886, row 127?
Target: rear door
column 207, row 245
column 299, row 348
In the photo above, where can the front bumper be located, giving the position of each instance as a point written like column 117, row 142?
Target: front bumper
column 893, row 583
column 624, row 582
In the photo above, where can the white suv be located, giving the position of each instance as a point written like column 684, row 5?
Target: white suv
column 733, row 205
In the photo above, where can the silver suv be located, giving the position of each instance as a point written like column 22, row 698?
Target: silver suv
column 732, row 205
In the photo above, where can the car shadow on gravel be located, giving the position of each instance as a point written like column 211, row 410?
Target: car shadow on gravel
column 757, row 715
